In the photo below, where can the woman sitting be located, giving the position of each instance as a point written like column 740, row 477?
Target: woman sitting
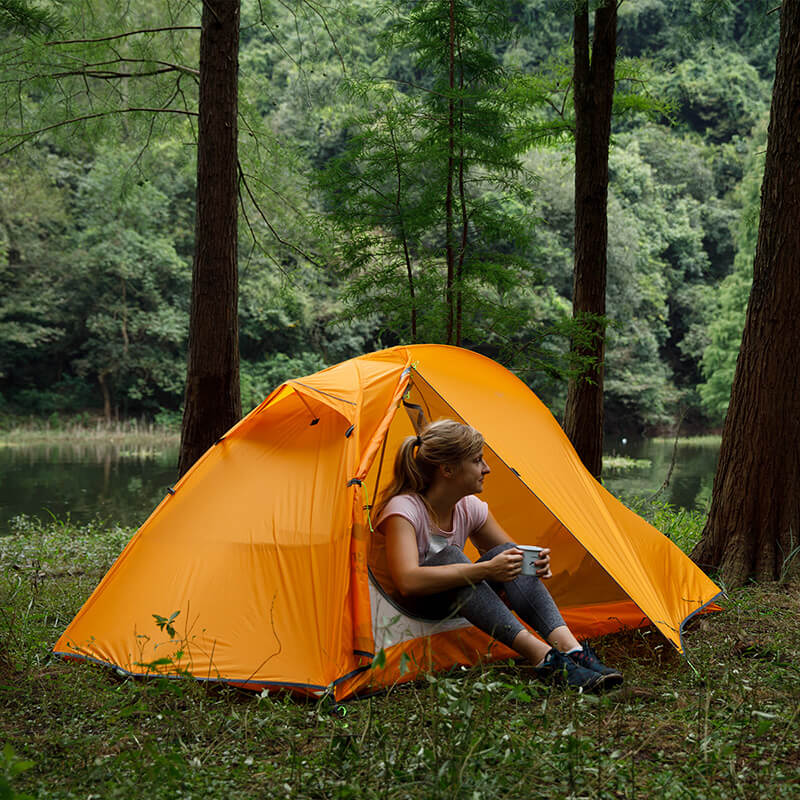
column 422, row 524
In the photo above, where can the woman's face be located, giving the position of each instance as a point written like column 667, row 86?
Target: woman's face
column 469, row 474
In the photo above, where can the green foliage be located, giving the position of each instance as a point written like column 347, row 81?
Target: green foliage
column 426, row 197
column 719, row 358
column 135, row 316
column 114, row 195
column 718, row 94
column 260, row 378
column 11, row 765
column 732, row 294
column 672, row 31
column 165, row 623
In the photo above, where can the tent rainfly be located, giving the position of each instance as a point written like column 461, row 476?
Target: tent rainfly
column 254, row 571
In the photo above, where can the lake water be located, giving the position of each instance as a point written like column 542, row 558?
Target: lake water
column 118, row 483
column 124, row 483
column 691, row 480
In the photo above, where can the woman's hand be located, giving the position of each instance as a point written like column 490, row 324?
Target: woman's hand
column 505, row 566
column 543, row 565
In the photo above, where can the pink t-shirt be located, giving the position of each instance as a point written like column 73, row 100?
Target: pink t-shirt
column 469, row 515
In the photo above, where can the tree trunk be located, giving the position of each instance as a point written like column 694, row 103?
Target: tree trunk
column 753, row 527
column 593, row 86
column 449, row 292
column 101, row 379
column 212, row 401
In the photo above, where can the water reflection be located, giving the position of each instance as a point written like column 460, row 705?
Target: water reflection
column 691, row 480
column 121, row 481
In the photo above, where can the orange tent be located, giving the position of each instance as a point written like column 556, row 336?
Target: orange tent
column 254, row 569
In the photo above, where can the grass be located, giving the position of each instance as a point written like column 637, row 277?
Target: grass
column 84, row 429
column 723, row 725
column 707, row 440
column 616, row 463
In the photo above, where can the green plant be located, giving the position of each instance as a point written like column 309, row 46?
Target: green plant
column 12, row 765
column 787, row 564
column 730, row 727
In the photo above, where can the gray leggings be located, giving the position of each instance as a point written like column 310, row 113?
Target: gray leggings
column 480, row 603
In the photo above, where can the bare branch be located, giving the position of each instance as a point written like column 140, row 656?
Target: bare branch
column 106, row 75
column 254, row 235
column 125, row 60
column 274, row 191
column 123, row 35
column 328, row 31
column 272, row 230
column 26, row 137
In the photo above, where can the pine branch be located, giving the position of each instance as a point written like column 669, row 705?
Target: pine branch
column 20, row 16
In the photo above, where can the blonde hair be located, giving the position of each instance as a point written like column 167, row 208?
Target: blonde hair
column 442, row 442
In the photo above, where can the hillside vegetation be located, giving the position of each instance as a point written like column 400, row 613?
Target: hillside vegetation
column 96, row 217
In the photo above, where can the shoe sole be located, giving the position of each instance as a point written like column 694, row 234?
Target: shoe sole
column 610, row 681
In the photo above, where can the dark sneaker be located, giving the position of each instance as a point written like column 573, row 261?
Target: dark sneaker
column 563, row 671
column 587, row 659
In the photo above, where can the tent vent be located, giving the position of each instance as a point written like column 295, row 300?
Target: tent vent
column 315, row 421
column 349, row 431
column 420, row 421
column 170, row 490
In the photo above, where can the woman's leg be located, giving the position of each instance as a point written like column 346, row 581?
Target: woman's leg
column 480, row 605
column 529, row 597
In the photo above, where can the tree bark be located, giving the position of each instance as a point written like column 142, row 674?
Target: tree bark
column 212, row 402
column 593, row 88
column 753, row 526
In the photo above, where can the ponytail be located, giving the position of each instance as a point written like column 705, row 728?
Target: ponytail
column 442, row 442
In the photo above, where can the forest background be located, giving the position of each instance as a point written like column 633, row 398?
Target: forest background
column 96, row 217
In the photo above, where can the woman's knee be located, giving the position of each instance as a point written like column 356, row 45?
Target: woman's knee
column 499, row 548
column 447, row 555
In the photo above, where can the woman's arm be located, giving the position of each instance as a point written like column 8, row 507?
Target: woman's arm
column 410, row 578
column 491, row 534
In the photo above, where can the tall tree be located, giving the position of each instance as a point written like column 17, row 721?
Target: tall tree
column 429, row 194
column 138, row 75
column 753, row 527
column 213, row 402
column 593, row 92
